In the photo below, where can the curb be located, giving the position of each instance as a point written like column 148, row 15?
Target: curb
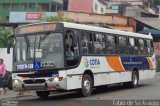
column 17, row 96
column 13, row 94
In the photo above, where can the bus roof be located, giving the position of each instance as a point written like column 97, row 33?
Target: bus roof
column 96, row 29
column 105, row 30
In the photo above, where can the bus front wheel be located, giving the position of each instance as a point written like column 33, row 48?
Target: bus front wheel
column 43, row 94
column 87, row 85
column 134, row 82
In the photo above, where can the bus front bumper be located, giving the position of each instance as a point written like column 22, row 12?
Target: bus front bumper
column 47, row 85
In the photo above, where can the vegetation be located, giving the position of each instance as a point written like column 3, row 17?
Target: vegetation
column 59, row 18
column 4, row 33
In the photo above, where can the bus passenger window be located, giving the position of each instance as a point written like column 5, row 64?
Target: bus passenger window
column 131, row 42
column 122, row 41
column 152, row 48
column 141, row 46
column 99, row 44
column 111, row 40
column 111, row 44
column 84, row 43
column 132, row 47
column 145, row 50
column 87, row 43
column 149, row 48
column 122, row 47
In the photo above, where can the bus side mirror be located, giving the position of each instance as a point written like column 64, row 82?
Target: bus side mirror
column 8, row 48
column 10, row 43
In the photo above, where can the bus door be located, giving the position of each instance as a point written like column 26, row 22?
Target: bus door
column 72, row 47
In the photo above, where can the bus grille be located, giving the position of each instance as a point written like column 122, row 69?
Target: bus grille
column 34, row 81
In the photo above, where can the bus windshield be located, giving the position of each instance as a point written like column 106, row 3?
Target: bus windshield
column 45, row 49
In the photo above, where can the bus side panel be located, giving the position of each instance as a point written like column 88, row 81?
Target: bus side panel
column 73, row 82
column 151, row 73
column 111, row 78
column 63, row 84
column 101, row 79
column 117, row 71
column 74, row 79
column 126, row 76
column 97, row 65
column 114, row 77
column 143, row 74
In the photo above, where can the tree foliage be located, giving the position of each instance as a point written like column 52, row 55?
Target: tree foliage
column 4, row 33
column 59, row 18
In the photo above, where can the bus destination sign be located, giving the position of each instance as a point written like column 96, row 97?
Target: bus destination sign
column 37, row 28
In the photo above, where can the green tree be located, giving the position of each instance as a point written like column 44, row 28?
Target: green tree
column 59, row 18
column 4, row 33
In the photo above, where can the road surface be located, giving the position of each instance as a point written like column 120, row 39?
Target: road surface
column 106, row 96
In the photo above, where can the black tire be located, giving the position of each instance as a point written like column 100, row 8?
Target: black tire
column 87, row 85
column 43, row 94
column 134, row 82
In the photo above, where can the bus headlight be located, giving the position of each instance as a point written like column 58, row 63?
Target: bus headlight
column 55, row 79
column 16, row 81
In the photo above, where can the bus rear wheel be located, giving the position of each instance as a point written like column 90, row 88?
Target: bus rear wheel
column 43, row 94
column 134, row 82
column 87, row 85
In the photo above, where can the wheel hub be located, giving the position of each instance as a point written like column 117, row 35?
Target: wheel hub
column 135, row 80
column 87, row 85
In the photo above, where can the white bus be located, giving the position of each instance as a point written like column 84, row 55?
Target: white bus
column 50, row 57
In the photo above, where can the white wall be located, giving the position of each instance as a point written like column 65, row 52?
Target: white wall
column 99, row 6
column 7, row 58
column 23, row 19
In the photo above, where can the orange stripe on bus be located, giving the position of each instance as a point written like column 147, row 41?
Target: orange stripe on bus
column 115, row 63
column 150, row 63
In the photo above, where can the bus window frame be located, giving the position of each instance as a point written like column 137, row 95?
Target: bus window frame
column 115, row 43
column 151, row 47
column 126, row 45
column 136, row 44
column 80, row 38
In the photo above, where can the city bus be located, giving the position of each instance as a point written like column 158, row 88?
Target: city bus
column 62, row 56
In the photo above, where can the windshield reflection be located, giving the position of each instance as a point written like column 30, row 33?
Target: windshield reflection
column 46, row 48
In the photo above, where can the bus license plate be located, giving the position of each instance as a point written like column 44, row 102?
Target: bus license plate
column 51, row 88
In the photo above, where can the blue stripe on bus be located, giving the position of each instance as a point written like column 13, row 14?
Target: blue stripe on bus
column 135, row 61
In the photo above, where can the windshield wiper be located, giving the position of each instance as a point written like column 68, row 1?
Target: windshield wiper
column 27, row 42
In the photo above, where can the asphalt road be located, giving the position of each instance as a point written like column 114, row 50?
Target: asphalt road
column 106, row 96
